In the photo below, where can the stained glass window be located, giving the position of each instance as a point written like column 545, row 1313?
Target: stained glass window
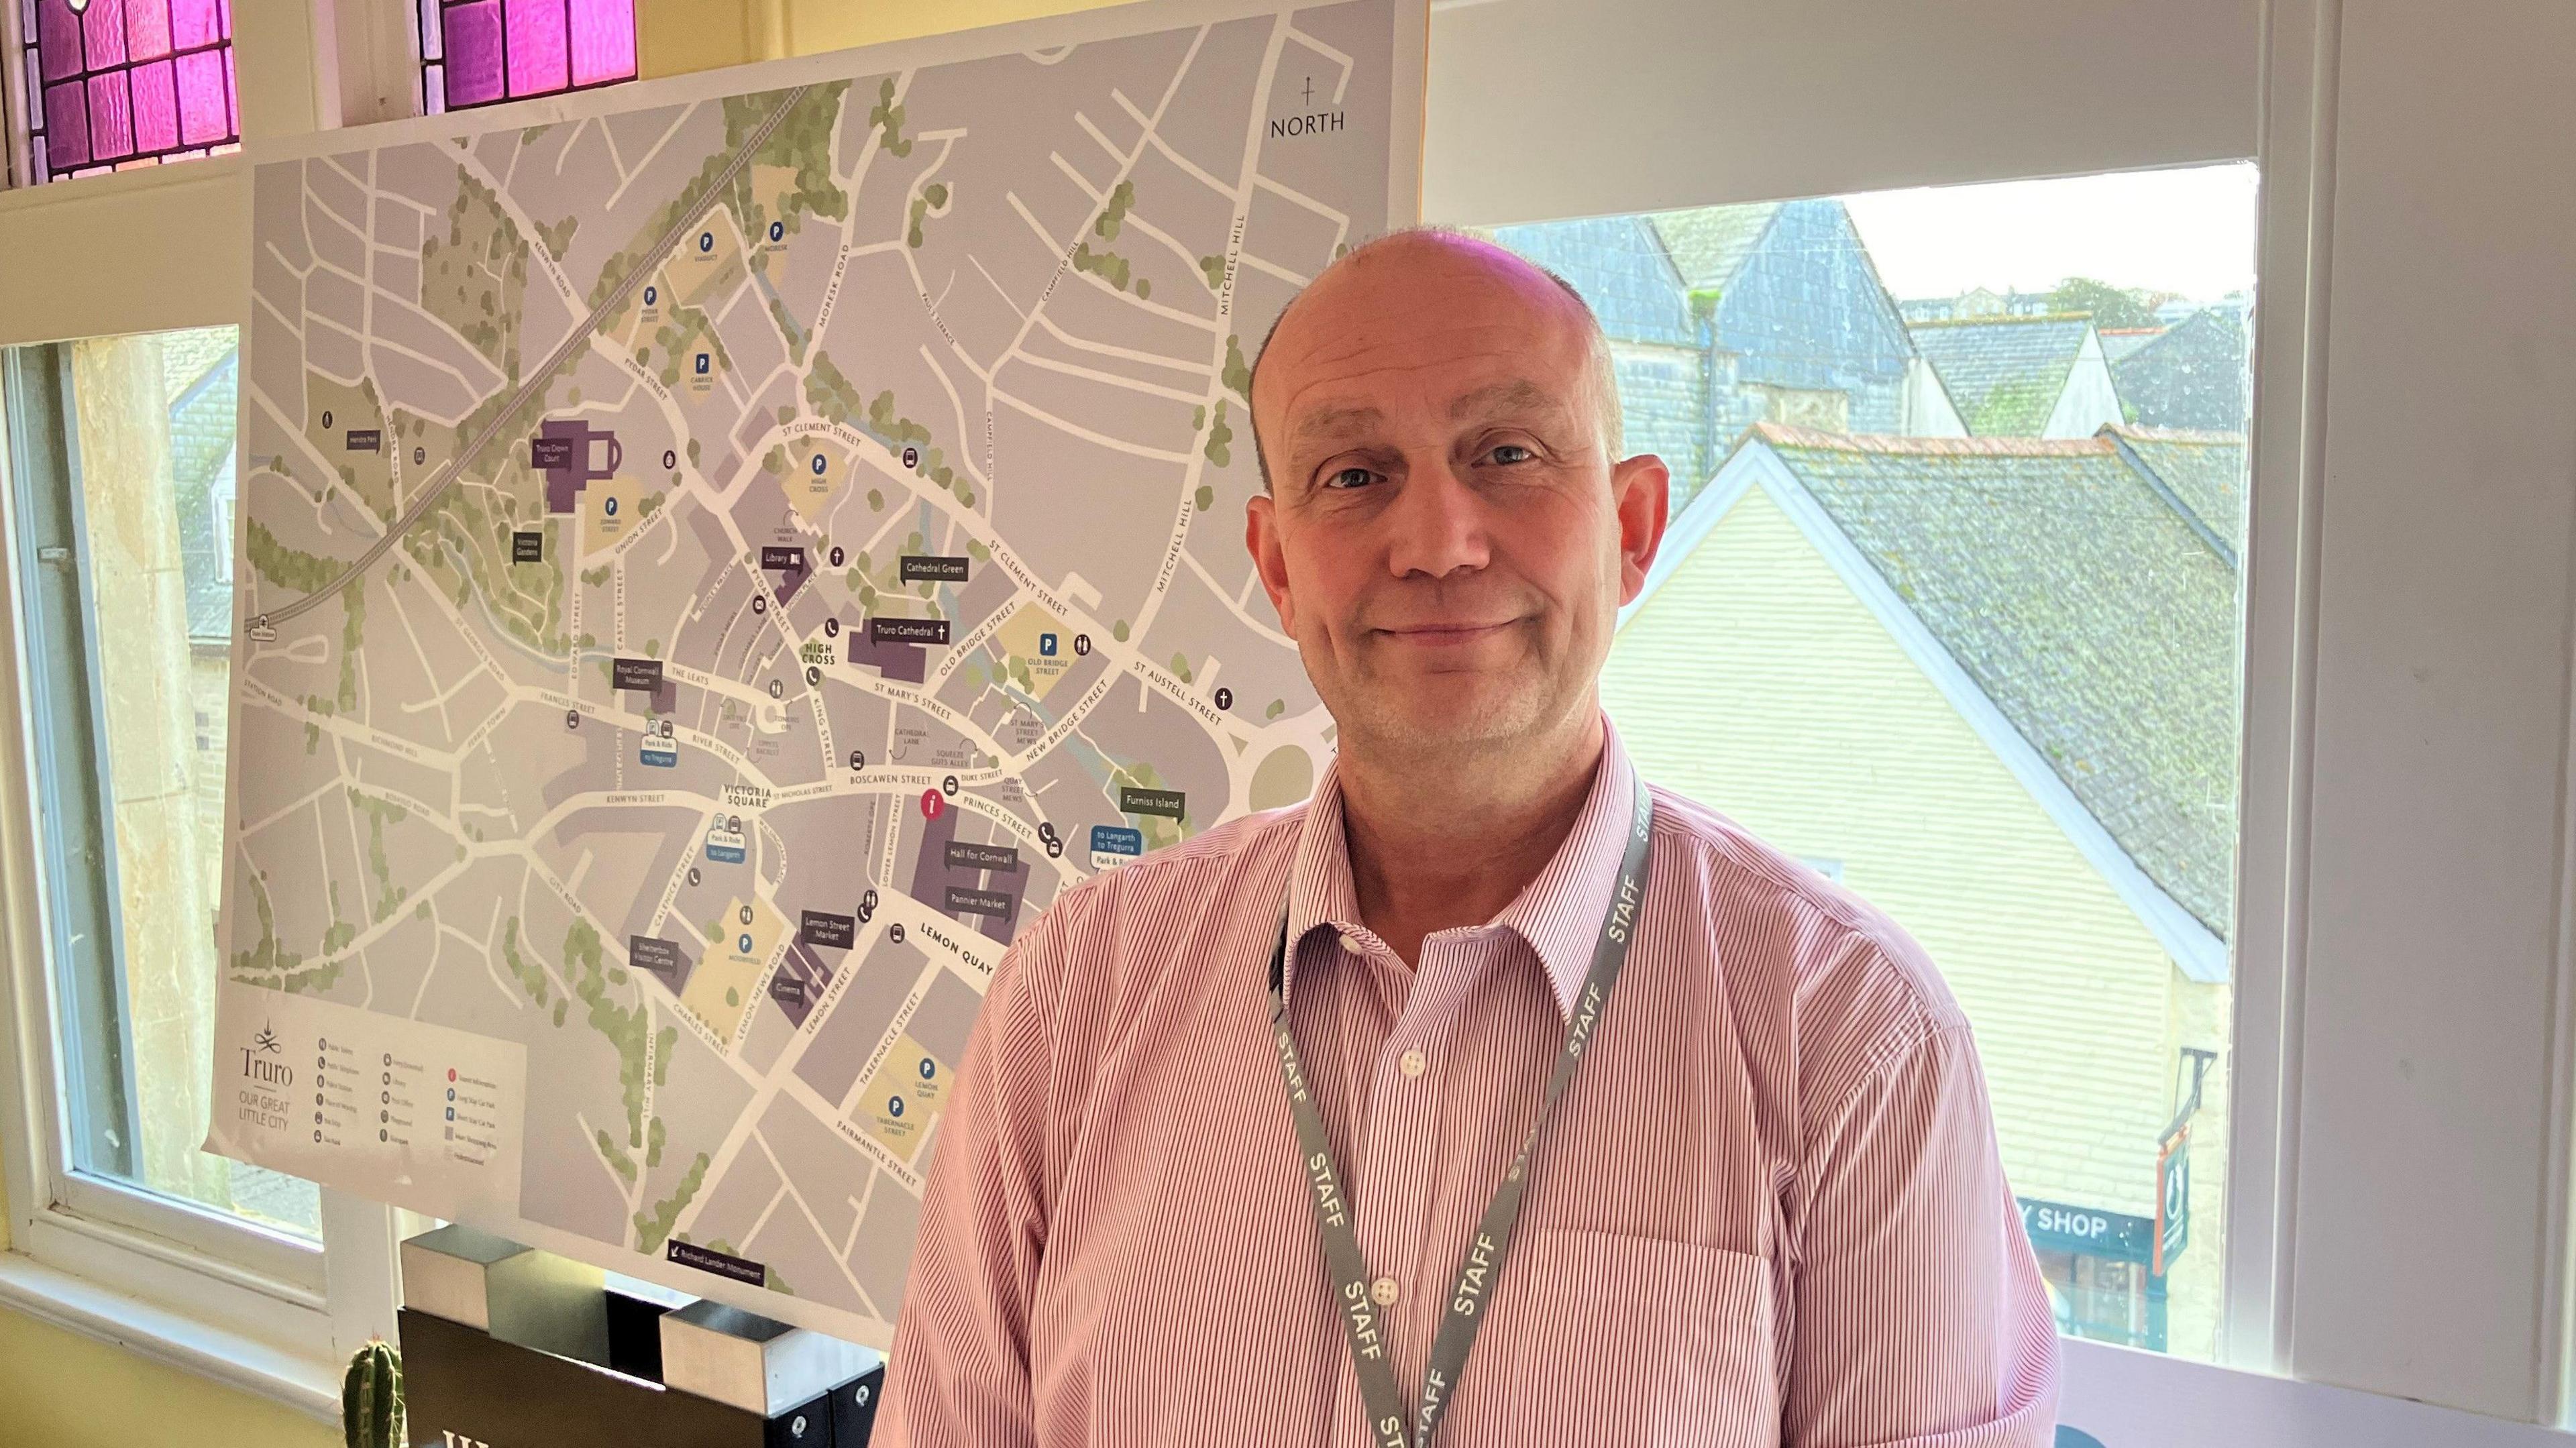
column 113, row 83
column 481, row 52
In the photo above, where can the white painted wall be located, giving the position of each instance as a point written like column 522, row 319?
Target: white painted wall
column 2089, row 401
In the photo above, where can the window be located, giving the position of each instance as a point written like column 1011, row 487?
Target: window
column 115, row 83
column 130, row 619
column 481, row 52
column 1951, row 604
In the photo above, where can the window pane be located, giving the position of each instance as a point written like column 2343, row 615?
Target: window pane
column 128, row 81
column 1950, row 610
column 479, row 52
column 143, row 518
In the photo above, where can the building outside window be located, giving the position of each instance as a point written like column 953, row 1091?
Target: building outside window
column 1951, row 600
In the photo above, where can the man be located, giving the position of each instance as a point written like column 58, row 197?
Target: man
column 1766, row 1207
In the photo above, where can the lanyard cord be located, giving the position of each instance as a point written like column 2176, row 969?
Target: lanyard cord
column 1362, row 1316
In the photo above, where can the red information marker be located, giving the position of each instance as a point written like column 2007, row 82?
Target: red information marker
column 931, row 804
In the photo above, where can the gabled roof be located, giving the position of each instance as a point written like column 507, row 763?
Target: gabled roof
column 2204, row 471
column 2071, row 614
column 2004, row 374
column 2119, row 342
column 1709, row 244
column 2192, row 375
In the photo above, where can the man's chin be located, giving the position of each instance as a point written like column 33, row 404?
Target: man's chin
column 1436, row 721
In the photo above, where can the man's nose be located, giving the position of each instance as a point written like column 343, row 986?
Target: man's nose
column 1438, row 524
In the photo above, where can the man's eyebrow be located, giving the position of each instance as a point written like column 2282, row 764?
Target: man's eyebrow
column 1334, row 422
column 1518, row 395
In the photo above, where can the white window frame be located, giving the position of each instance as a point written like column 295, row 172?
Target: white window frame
column 156, row 249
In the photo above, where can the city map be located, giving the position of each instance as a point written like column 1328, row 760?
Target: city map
column 714, row 567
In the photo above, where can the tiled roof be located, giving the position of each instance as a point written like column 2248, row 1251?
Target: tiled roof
column 2119, row 342
column 2004, row 374
column 2204, row 470
column 2193, row 375
column 1709, row 244
column 2100, row 625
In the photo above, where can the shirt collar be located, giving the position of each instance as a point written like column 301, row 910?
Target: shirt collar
column 1558, row 913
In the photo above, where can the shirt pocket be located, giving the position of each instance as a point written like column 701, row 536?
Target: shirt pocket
column 1604, row 1338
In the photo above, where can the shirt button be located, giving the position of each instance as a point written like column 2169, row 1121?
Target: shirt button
column 1352, row 944
column 1412, row 1063
column 1383, row 1292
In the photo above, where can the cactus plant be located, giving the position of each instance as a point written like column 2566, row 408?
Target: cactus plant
column 371, row 1398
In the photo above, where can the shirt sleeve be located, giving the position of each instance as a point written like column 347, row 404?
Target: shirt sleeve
column 1919, row 1319
column 958, row 1374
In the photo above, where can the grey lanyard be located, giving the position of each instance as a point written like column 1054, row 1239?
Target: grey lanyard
column 1362, row 1319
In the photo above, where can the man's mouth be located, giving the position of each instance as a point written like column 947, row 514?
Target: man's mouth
column 1445, row 635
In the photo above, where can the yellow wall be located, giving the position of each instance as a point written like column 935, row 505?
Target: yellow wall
column 683, row 35
column 1756, row 682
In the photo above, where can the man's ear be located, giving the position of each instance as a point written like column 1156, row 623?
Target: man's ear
column 1641, row 489
column 1261, row 539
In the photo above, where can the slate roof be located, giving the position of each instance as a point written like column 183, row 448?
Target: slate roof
column 2193, row 375
column 2097, row 621
column 2004, row 374
column 1709, row 244
column 2205, row 471
column 2120, row 342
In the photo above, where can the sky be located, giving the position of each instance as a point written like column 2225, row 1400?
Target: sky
column 2189, row 231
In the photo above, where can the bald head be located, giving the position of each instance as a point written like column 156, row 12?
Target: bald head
column 1377, row 283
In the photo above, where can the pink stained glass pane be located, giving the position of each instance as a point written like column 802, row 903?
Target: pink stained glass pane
column 603, row 41
column 205, row 104
column 58, row 39
column 147, row 29
column 111, row 125
column 197, row 22
column 156, row 107
column 103, row 27
column 540, row 50
column 473, row 52
column 67, row 125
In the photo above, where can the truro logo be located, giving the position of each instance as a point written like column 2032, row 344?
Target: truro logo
column 257, row 1067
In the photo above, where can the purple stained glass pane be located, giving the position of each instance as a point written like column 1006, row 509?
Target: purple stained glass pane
column 67, row 125
column 103, row 28
column 111, row 124
column 603, row 41
column 473, row 52
column 540, row 51
column 197, row 22
column 205, row 107
column 58, row 39
column 156, row 107
column 147, row 29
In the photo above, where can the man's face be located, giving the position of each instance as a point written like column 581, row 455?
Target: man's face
column 1446, row 537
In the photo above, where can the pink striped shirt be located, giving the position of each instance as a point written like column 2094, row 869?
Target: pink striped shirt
column 1768, row 1210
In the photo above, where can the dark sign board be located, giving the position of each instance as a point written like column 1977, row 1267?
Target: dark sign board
column 966, row 855
column 838, row 931
column 921, row 568
column 907, row 630
column 642, row 675
column 1169, row 802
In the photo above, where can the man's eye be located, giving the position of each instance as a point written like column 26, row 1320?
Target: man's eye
column 1509, row 453
column 1346, row 478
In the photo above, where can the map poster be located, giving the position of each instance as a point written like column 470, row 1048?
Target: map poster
column 718, row 556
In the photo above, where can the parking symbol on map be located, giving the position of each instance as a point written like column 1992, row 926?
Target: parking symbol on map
column 706, row 241
column 608, row 507
column 652, row 295
column 743, row 944
column 1046, row 646
column 778, row 231
column 702, row 364
column 818, row 465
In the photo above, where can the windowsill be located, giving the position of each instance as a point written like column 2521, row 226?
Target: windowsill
column 223, row 168
column 307, row 1385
